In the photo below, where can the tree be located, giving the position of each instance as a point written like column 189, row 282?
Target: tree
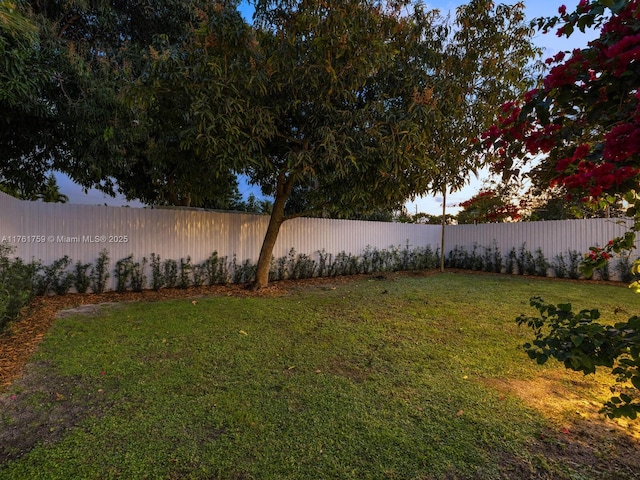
column 24, row 79
column 585, row 120
column 353, row 136
column 555, row 203
column 13, row 22
column 488, row 206
column 191, row 86
column 342, row 88
column 51, row 193
column 66, row 104
column 487, row 59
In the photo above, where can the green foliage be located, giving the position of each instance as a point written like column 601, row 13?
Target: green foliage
column 583, row 345
column 123, row 272
column 130, row 274
column 16, row 285
column 489, row 259
column 100, row 272
column 81, row 277
column 199, row 274
column 157, row 276
column 525, row 261
column 492, row 258
column 170, row 273
column 511, row 267
column 324, row 260
column 242, row 272
column 138, row 278
column 559, row 266
column 540, row 264
column 603, row 272
column 53, row 278
column 573, row 270
column 186, row 270
column 217, row 271
column 624, row 269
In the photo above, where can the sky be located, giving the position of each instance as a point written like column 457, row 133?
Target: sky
column 550, row 43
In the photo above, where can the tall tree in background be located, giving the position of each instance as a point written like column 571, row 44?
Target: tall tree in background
column 395, row 123
column 192, row 114
column 585, row 119
column 487, row 58
column 27, row 114
column 488, row 206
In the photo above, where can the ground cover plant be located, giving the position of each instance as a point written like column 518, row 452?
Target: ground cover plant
column 401, row 376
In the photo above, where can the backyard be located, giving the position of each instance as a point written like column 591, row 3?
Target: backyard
column 394, row 376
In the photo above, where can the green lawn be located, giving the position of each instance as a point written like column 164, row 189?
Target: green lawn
column 368, row 379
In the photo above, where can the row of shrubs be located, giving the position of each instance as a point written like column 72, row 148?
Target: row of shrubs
column 20, row 281
column 524, row 262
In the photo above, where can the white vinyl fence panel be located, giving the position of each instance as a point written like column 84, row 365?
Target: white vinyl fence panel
column 48, row 231
column 552, row 237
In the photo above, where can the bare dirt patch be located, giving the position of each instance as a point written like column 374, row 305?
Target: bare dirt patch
column 578, row 434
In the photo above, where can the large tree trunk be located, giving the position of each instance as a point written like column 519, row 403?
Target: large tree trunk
column 283, row 191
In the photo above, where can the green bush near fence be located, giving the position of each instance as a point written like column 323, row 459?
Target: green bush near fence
column 16, row 285
column 20, row 281
column 521, row 261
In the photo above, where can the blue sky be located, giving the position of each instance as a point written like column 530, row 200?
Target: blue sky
column 433, row 205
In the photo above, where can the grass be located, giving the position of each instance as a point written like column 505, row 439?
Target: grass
column 392, row 379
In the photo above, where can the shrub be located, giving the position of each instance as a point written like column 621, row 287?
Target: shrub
column 525, row 261
column 157, row 277
column 216, row 269
column 540, row 264
column 185, row 272
column 16, row 285
column 559, row 266
column 304, row 267
column 624, row 269
column 199, row 273
column 81, row 279
column 138, row 279
column 170, row 275
column 511, row 261
column 100, row 273
column 53, row 278
column 573, row 270
column 123, row 273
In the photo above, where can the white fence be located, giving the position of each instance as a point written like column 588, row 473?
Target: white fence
column 47, row 232
column 552, row 237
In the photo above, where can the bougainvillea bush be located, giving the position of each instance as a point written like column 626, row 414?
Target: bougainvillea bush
column 584, row 122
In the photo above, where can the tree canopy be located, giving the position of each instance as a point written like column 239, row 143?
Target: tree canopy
column 341, row 108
